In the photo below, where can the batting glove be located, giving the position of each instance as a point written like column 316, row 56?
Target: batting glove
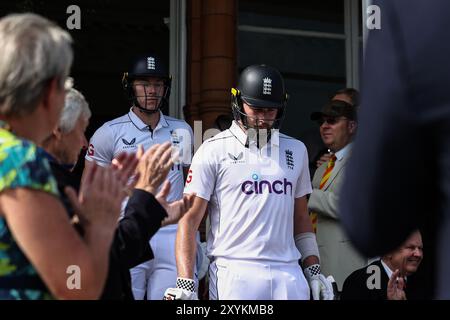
column 185, row 290
column 321, row 287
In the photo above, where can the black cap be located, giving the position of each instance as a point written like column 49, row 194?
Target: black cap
column 336, row 108
column 148, row 65
column 262, row 86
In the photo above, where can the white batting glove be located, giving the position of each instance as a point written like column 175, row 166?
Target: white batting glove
column 321, row 287
column 185, row 290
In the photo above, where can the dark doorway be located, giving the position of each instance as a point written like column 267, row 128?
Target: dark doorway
column 112, row 33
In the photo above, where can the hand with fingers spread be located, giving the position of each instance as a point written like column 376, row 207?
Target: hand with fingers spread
column 176, row 209
column 99, row 198
column 153, row 166
column 396, row 287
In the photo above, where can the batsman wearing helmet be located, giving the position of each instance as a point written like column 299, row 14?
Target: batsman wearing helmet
column 147, row 86
column 254, row 182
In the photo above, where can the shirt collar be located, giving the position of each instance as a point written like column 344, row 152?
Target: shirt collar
column 242, row 137
column 388, row 270
column 162, row 121
column 141, row 125
column 238, row 132
column 342, row 153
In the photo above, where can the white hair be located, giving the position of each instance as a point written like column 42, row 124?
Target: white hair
column 33, row 51
column 75, row 107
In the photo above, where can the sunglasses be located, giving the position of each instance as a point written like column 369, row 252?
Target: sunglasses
column 331, row 121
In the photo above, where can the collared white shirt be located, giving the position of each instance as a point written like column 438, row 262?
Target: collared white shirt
column 388, row 270
column 251, row 194
column 126, row 133
column 343, row 152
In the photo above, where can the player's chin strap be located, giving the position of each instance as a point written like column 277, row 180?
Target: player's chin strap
column 185, row 290
column 147, row 111
column 255, row 133
column 131, row 94
column 321, row 287
column 143, row 110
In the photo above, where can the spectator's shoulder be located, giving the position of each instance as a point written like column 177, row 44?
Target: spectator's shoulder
column 23, row 164
column 15, row 151
column 357, row 276
column 356, row 284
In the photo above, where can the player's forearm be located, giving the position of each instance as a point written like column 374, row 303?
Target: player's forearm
column 302, row 224
column 306, row 244
column 302, row 221
column 305, row 239
column 309, row 261
column 185, row 249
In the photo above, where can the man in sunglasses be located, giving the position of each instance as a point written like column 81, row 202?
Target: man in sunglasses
column 318, row 153
column 338, row 126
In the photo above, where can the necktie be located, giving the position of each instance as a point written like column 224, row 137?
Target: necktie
column 325, row 177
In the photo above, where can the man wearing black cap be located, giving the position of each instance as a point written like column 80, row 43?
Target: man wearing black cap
column 338, row 125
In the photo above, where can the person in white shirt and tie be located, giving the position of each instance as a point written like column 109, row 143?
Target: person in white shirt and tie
column 338, row 124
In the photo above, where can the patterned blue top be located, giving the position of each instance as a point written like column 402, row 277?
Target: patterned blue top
column 21, row 165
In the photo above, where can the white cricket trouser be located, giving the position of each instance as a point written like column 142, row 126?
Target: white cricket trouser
column 254, row 280
column 155, row 276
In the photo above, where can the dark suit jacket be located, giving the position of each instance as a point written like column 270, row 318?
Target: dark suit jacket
column 130, row 246
column 355, row 286
column 400, row 177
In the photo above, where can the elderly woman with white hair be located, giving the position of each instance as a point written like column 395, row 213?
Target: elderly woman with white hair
column 68, row 138
column 63, row 146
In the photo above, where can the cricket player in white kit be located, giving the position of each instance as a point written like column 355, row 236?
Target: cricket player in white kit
column 147, row 84
column 254, row 182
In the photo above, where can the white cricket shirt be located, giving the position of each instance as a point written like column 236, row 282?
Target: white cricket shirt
column 251, row 194
column 126, row 133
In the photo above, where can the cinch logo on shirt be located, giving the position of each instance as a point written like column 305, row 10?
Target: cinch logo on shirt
column 260, row 186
